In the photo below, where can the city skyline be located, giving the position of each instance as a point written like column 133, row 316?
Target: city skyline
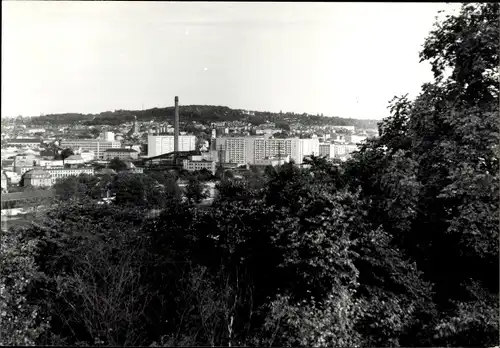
column 343, row 59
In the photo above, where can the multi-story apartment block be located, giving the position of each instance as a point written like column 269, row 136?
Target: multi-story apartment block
column 62, row 173
column 194, row 163
column 123, row 154
column 248, row 150
column 162, row 144
column 96, row 145
column 25, row 142
column 327, row 150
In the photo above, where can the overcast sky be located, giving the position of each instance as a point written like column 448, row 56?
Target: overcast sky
column 339, row 59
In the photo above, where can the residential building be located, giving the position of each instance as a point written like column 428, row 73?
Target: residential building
column 123, row 154
column 35, row 130
column 107, row 136
column 30, row 142
column 273, row 161
column 194, row 163
column 20, row 170
column 51, row 163
column 247, row 150
column 12, row 177
column 348, row 128
column 62, row 173
column 87, row 156
column 37, row 178
column 162, row 144
column 74, row 159
column 98, row 146
column 5, row 182
column 26, row 160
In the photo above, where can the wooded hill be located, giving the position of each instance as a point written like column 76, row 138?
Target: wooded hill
column 199, row 113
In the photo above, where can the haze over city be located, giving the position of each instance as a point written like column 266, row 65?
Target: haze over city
column 339, row 59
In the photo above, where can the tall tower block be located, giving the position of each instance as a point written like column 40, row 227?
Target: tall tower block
column 176, row 125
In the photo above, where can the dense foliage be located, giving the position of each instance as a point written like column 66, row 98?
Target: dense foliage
column 396, row 247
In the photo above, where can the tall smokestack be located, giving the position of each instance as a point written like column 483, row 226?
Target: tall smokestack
column 176, row 125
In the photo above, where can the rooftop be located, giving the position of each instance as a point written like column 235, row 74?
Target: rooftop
column 121, row 150
column 37, row 173
column 24, row 141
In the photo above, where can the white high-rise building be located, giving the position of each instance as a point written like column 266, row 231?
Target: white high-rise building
column 248, row 150
column 327, row 149
column 95, row 145
column 162, row 144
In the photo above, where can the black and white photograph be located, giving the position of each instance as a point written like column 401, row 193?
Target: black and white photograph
column 250, row 174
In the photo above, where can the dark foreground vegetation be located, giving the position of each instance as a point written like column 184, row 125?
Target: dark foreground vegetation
column 396, row 247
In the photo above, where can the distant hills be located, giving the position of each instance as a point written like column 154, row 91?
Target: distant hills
column 204, row 114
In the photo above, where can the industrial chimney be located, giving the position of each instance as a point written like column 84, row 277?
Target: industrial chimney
column 176, row 125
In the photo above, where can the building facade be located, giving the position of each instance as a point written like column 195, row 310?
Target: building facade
column 74, row 159
column 195, row 163
column 123, row 154
column 62, row 173
column 356, row 138
column 162, row 144
column 25, row 142
column 96, row 145
column 37, row 178
column 248, row 150
column 342, row 150
column 5, row 182
column 327, row 150
column 108, row 136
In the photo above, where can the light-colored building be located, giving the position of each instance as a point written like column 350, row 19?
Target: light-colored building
column 87, row 156
column 343, row 150
column 123, row 154
column 13, row 177
column 51, row 163
column 35, row 130
column 348, row 128
column 62, row 173
column 26, row 160
column 133, row 169
column 5, row 182
column 162, row 144
column 327, row 150
column 96, row 145
column 248, row 150
column 355, row 138
column 194, row 163
column 20, row 170
column 107, row 136
column 25, row 142
column 37, row 178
